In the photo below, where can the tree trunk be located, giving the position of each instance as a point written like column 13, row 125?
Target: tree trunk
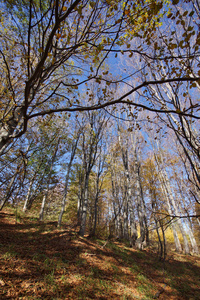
column 165, row 194
column 9, row 189
column 139, row 201
column 84, row 209
column 26, row 203
column 128, row 203
column 174, row 205
column 189, row 231
column 171, row 197
column 74, row 147
column 7, row 129
column 41, row 215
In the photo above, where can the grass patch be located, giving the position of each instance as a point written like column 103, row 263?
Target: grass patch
column 39, row 257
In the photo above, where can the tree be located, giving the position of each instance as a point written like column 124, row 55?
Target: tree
column 99, row 178
column 178, row 46
column 94, row 129
column 63, row 45
column 51, row 162
column 74, row 144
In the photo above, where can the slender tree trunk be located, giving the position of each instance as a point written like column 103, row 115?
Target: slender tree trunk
column 189, row 231
column 48, row 182
column 128, row 203
column 99, row 170
column 74, row 147
column 160, row 244
column 9, row 189
column 164, row 241
column 186, row 244
column 144, row 211
column 80, row 195
column 174, row 205
column 79, row 209
column 84, row 209
column 157, row 222
column 28, row 194
column 139, row 203
column 126, row 200
column 95, row 215
column 64, row 199
column 26, row 203
column 165, row 194
column 96, row 205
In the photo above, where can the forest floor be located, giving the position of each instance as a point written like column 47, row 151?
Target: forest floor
column 39, row 261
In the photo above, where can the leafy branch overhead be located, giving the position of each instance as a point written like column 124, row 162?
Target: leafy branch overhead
column 54, row 51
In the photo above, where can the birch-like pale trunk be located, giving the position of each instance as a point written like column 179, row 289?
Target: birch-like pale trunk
column 171, row 197
column 140, row 206
column 165, row 194
column 28, row 194
column 176, row 238
column 174, row 205
column 129, row 211
column 26, row 203
column 187, row 222
column 64, row 199
column 193, row 242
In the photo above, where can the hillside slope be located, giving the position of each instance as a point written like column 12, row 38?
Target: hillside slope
column 38, row 261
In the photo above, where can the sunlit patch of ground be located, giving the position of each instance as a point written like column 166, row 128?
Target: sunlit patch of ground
column 38, row 261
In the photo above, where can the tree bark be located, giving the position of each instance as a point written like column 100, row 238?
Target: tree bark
column 9, row 189
column 74, row 147
column 41, row 215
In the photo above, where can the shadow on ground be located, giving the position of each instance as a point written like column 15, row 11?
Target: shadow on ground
column 38, row 261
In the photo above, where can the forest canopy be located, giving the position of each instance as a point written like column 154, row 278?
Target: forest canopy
column 53, row 51
column 99, row 104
